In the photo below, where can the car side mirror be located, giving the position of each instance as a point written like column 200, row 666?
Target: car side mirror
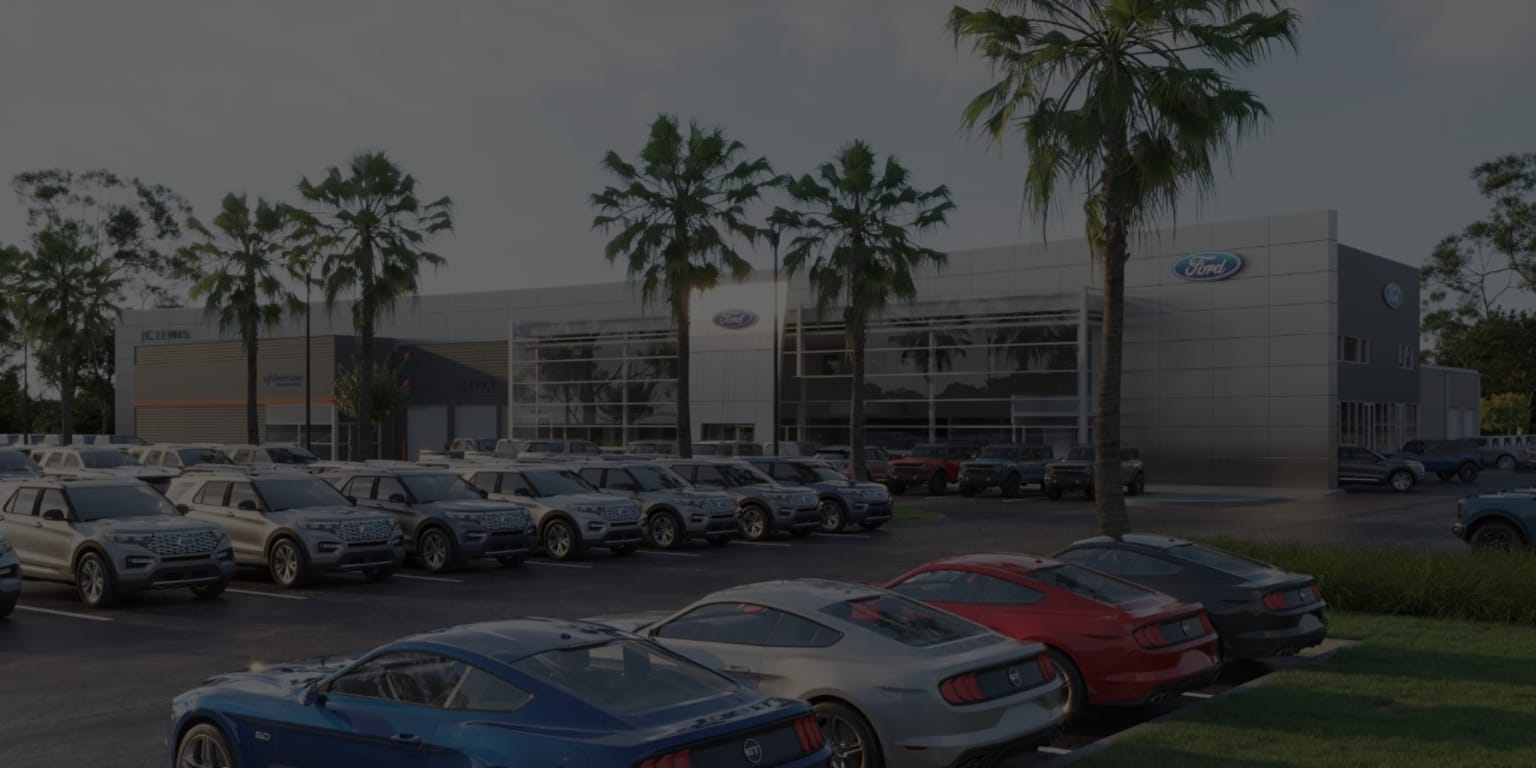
column 183, row 508
column 312, row 697
column 397, row 498
column 247, row 505
column 481, row 492
column 351, row 499
column 54, row 515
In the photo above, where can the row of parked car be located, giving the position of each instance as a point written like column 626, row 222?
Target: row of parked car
column 956, row 662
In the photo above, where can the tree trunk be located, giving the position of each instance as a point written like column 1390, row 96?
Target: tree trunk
column 1109, row 494
column 66, row 393
column 248, row 336
column 364, row 449
column 682, row 297
column 856, row 341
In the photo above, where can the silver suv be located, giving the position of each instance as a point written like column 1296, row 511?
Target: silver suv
column 86, row 461
column 674, row 511
column 270, row 453
column 569, row 515
column 1075, row 472
column 765, row 505
column 296, row 525
column 10, row 577
column 447, row 521
column 108, row 537
column 843, row 502
column 181, row 457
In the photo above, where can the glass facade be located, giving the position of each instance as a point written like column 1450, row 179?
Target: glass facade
column 610, row 388
column 1381, row 427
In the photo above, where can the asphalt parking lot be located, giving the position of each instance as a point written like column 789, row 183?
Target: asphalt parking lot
column 93, row 688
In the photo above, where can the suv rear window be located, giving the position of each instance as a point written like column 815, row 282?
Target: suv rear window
column 905, row 621
column 1090, row 584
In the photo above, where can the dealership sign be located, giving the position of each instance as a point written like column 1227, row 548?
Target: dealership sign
column 1208, row 267
column 165, row 334
column 735, row 319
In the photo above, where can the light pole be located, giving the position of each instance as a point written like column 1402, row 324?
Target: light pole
column 777, row 359
column 308, row 379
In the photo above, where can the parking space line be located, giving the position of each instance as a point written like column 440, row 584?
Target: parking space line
column 841, row 535
column 934, row 498
column 1015, row 501
column 1198, row 695
column 1054, row 750
column 260, row 593
column 66, row 614
column 439, row 579
column 663, row 552
column 556, row 565
column 761, row 543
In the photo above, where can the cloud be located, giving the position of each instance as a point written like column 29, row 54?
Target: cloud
column 1466, row 34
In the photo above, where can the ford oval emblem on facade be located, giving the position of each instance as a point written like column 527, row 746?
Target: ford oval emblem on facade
column 1209, row 266
column 735, row 319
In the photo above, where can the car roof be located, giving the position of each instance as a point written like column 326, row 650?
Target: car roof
column 1136, row 539
column 801, row 594
column 513, row 639
column 64, row 482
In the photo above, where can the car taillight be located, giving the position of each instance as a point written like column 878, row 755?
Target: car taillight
column 1205, row 621
column 678, row 759
column 1047, row 669
column 1275, row 601
column 1150, row 636
column 809, row 733
column 961, row 689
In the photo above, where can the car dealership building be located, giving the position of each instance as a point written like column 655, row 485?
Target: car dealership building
column 1252, row 350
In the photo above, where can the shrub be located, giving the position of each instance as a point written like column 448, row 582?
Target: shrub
column 1402, row 582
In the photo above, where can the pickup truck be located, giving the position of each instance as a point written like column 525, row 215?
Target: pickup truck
column 1006, row 467
column 932, row 466
column 1503, row 520
column 1075, row 473
column 1446, row 459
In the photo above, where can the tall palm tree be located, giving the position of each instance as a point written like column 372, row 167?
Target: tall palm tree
column 854, row 228
column 678, row 210
column 237, row 271
column 1130, row 99
column 371, row 228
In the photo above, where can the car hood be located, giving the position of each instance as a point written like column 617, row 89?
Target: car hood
column 17, row 474
column 911, row 461
column 629, row 622
column 151, row 524
column 128, row 472
column 327, row 513
column 844, row 486
column 577, row 499
column 470, row 505
column 276, row 679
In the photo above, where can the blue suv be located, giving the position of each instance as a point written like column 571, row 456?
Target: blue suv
column 1446, row 459
column 1497, row 521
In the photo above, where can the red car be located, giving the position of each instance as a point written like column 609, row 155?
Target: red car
column 932, row 466
column 1115, row 642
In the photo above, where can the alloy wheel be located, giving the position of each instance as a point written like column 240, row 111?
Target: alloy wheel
column 753, row 525
column 93, row 580
column 433, row 550
column 1506, row 462
column 1401, row 481
column 557, row 540
column 843, row 739
column 285, row 563
column 202, row 751
column 831, row 516
column 663, row 531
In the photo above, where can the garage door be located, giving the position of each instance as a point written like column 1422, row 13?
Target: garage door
column 475, row 421
column 426, row 427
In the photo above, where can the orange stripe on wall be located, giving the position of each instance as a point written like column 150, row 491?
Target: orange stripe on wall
column 228, row 401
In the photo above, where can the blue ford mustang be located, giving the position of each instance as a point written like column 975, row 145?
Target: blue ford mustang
column 527, row 693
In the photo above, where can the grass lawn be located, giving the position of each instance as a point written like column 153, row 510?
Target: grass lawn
column 1418, row 692
column 915, row 513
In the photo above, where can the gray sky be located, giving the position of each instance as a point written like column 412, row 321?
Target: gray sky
column 507, row 107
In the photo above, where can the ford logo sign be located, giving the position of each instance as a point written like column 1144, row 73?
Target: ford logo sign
column 1207, row 267
column 735, row 319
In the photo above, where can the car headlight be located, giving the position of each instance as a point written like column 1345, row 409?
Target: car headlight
column 324, row 527
column 136, row 539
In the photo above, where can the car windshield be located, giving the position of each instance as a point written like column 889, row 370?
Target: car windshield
column 438, row 486
column 106, row 502
column 292, row 455
column 625, row 677
column 11, row 461
column 485, row 444
column 742, row 473
column 833, row 453
column 657, row 479
column 555, row 482
column 1083, row 452
column 905, row 621
column 810, row 473
column 1226, row 562
column 106, row 459
column 1090, row 584
column 192, row 457
column 999, row 452
column 281, row 493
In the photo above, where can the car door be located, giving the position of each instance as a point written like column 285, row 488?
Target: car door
column 386, row 712
column 24, row 528
column 1350, row 470
column 722, row 636
column 247, row 519
column 55, row 539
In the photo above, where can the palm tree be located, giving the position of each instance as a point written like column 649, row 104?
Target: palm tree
column 371, row 229
column 854, row 237
column 1129, row 98
column 237, row 272
column 677, row 210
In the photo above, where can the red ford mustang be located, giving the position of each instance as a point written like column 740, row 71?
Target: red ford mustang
column 1115, row 642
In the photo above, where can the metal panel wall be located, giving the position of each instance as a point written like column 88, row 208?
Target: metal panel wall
column 476, row 421
column 224, row 424
column 426, row 427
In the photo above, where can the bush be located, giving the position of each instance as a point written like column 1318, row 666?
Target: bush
column 1401, row 582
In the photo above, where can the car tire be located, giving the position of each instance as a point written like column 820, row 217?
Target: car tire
column 204, row 744
column 209, row 591
column 834, row 516
column 379, row 575
column 511, row 561
column 1506, row 462
column 289, row 563
column 848, row 734
column 967, row 490
column 1401, row 481
column 754, row 523
column 938, row 485
column 665, row 531
column 1077, row 692
column 1495, row 536
column 436, row 550
column 1467, row 472
column 95, row 582
column 1010, row 487
column 558, row 539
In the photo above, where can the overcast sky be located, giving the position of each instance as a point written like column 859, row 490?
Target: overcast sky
column 507, row 107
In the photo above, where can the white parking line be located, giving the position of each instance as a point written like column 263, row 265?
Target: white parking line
column 260, row 593
column 52, row 612
column 842, row 535
column 740, row 542
column 556, row 565
column 439, row 579
column 662, row 552
column 1198, row 695
column 1015, row 501
column 1054, row 750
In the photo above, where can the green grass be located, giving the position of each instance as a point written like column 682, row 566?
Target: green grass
column 915, row 513
column 1418, row 692
column 1495, row 587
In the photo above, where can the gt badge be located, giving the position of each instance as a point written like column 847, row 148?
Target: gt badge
column 752, row 750
column 1015, row 677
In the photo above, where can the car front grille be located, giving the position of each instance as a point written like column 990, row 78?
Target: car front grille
column 719, row 507
column 626, row 514
column 803, row 500
column 365, row 531
column 184, row 544
column 505, row 520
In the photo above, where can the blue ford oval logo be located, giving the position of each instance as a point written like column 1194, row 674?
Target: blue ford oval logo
column 735, row 319
column 1205, row 267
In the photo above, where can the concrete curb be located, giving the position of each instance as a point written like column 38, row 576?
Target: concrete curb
column 1323, row 656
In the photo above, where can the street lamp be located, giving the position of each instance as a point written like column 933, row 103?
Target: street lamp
column 773, row 236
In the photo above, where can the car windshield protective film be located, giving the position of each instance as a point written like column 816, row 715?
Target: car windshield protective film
column 657, row 479
column 192, row 457
column 12, row 461
column 282, row 493
column 1083, row 452
column 905, row 621
column 1090, row 584
column 429, row 488
column 625, row 677
column 742, row 473
column 1226, row 562
column 998, row 452
column 106, row 502
column 556, row 482
column 106, row 459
